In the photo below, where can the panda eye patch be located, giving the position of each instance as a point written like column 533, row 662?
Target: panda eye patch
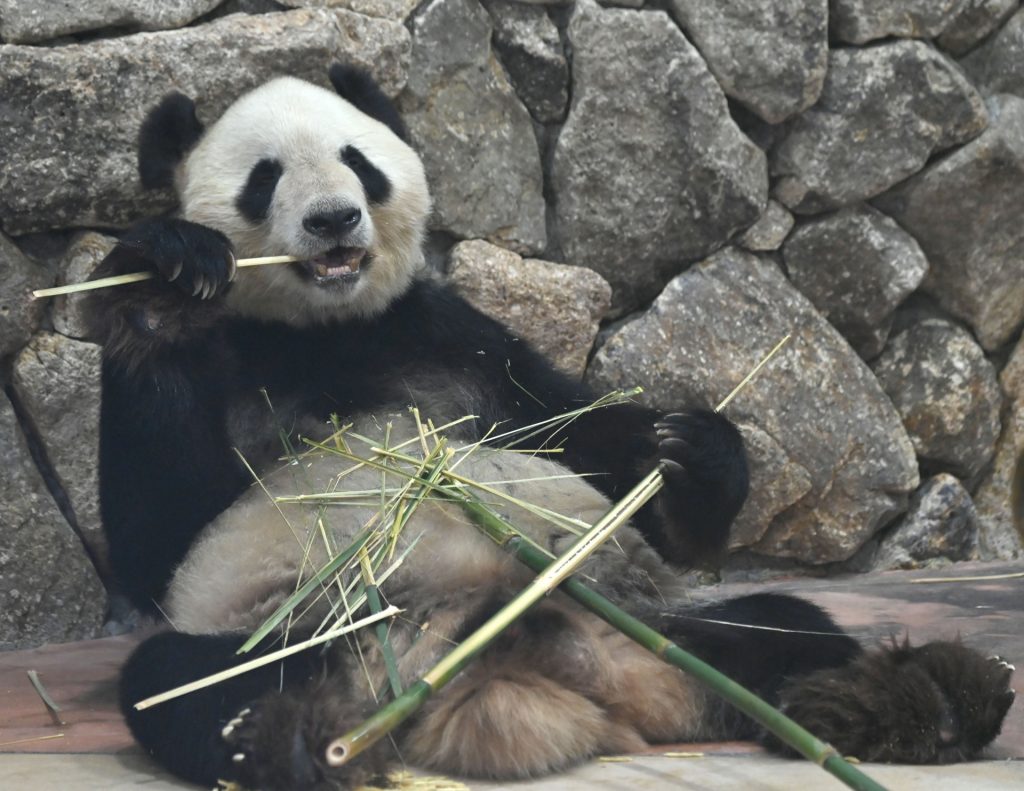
column 375, row 183
column 254, row 200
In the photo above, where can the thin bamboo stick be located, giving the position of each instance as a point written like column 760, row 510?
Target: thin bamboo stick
column 267, row 659
column 136, row 277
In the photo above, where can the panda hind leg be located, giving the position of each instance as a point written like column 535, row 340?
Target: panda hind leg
column 940, row 702
column 201, row 736
column 531, row 705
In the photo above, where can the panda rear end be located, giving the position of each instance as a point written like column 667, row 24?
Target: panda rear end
column 358, row 329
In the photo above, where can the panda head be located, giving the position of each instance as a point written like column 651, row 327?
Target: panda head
column 295, row 169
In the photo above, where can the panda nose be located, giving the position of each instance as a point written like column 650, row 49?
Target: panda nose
column 332, row 223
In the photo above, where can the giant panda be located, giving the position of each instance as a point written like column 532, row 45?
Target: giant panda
column 203, row 373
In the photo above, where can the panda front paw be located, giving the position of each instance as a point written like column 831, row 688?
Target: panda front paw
column 197, row 260
column 704, row 468
column 279, row 743
column 940, row 702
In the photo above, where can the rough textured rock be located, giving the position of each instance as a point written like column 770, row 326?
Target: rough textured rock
column 474, row 135
column 49, row 591
column 1000, row 498
column 531, row 51
column 58, row 382
column 69, row 116
column 388, row 9
column 883, row 112
column 19, row 313
column 964, row 211
column 639, row 194
column 941, row 522
column 79, row 262
column 769, row 231
column 771, row 57
column 23, row 21
column 555, row 307
column 977, row 18
column 1011, row 378
column 856, row 266
column 997, row 66
column 777, row 481
column 858, row 21
column 947, row 395
column 816, row 400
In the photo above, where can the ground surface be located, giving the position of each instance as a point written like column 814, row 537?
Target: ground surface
column 982, row 603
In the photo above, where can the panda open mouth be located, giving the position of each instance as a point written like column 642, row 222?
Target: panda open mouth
column 339, row 265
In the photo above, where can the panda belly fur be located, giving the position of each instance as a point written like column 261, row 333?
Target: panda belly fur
column 355, row 327
column 548, row 697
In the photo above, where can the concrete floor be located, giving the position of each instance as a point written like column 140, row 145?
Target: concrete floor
column 984, row 604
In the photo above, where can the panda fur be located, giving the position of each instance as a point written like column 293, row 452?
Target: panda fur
column 192, row 359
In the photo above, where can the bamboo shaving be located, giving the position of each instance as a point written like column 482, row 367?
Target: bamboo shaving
column 976, row 578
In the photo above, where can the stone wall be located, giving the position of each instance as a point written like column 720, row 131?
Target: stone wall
column 849, row 172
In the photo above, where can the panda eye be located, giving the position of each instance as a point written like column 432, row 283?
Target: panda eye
column 254, row 200
column 375, row 183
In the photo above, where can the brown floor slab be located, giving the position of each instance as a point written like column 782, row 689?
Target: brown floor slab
column 985, row 610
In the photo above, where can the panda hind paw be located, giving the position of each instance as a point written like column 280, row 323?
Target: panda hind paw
column 279, row 743
column 936, row 703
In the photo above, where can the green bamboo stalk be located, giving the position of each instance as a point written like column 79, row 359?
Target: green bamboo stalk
column 743, row 699
column 348, row 746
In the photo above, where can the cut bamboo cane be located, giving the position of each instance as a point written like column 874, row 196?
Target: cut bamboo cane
column 136, row 277
column 743, row 699
column 346, row 747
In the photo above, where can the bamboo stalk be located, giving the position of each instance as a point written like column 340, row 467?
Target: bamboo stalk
column 743, row 699
column 136, row 277
column 349, row 745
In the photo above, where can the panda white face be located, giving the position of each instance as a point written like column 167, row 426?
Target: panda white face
column 294, row 169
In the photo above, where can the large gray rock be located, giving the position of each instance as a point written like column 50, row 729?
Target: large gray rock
column 49, row 592
column 58, row 382
column 817, row 400
column 85, row 253
column 947, row 395
column 649, row 172
column 883, row 112
column 770, row 57
column 964, row 211
column 556, row 307
column 941, row 523
column 69, row 116
column 388, row 9
column 19, row 313
column 977, row 18
column 856, row 266
column 858, row 21
column 997, row 66
column 474, row 135
column 531, row 51
column 23, row 21
column 1000, row 498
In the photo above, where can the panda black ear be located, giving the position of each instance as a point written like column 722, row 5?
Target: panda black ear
column 359, row 89
column 169, row 131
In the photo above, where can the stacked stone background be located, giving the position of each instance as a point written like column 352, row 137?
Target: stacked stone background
column 653, row 195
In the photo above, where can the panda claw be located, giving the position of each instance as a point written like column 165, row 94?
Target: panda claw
column 176, row 272
column 232, row 266
column 238, row 757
